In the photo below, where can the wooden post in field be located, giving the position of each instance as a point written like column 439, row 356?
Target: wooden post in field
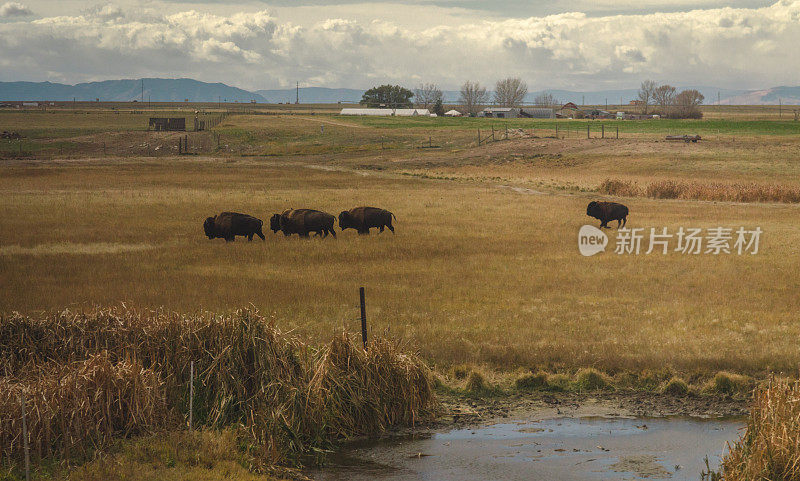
column 191, row 394
column 25, row 440
column 363, row 316
column 587, row 130
column 618, row 131
column 180, row 146
column 556, row 130
column 602, row 131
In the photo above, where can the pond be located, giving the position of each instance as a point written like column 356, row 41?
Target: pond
column 561, row 449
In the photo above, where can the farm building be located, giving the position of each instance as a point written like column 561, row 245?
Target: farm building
column 387, row 112
column 160, row 124
column 500, row 112
column 537, row 113
column 452, row 113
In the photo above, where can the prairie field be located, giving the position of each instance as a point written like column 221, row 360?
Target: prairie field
column 484, row 266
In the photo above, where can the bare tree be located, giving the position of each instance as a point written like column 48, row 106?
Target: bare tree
column 646, row 93
column 427, row 94
column 544, row 99
column 664, row 96
column 688, row 103
column 473, row 97
column 510, row 92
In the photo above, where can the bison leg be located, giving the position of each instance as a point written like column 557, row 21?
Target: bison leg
column 624, row 221
column 249, row 237
column 363, row 231
column 261, row 234
column 333, row 232
column 389, row 225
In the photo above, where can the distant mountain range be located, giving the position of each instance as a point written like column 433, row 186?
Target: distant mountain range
column 177, row 90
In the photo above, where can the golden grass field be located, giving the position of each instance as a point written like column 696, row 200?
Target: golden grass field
column 484, row 267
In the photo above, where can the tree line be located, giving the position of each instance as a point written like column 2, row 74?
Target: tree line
column 683, row 105
column 473, row 96
column 511, row 92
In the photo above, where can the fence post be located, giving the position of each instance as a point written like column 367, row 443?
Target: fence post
column 618, row 131
column 602, row 131
column 25, row 439
column 191, row 394
column 556, row 130
column 479, row 137
column 363, row 316
column 587, row 130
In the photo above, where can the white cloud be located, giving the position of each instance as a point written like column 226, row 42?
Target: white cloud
column 733, row 47
column 14, row 9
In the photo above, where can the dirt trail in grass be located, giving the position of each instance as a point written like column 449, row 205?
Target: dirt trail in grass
column 74, row 248
column 334, row 122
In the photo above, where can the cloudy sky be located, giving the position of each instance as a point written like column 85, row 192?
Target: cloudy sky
column 255, row 44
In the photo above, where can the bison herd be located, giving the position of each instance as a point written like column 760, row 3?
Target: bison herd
column 302, row 222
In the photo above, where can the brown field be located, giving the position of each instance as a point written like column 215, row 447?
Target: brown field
column 484, row 267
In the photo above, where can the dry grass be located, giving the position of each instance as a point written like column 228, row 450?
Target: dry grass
column 469, row 264
column 714, row 191
column 770, row 447
column 130, row 368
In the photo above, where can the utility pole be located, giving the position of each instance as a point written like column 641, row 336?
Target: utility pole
column 606, row 103
column 142, row 90
column 583, row 100
column 780, row 107
column 297, row 99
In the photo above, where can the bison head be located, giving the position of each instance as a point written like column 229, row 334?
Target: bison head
column 594, row 210
column 344, row 220
column 275, row 222
column 208, row 227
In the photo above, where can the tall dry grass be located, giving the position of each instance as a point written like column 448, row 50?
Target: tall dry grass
column 289, row 397
column 770, row 447
column 714, row 191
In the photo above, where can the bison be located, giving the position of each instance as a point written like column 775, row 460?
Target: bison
column 608, row 211
column 228, row 225
column 363, row 218
column 302, row 222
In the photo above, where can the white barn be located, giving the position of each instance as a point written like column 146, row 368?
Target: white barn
column 387, row 112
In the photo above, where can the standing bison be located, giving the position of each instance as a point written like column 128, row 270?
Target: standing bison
column 302, row 222
column 228, row 225
column 363, row 218
column 608, row 211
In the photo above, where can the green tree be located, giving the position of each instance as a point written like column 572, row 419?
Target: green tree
column 438, row 108
column 393, row 96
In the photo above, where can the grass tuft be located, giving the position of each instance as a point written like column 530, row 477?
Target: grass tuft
column 731, row 384
column 590, row 379
column 477, row 384
column 558, row 382
column 676, row 387
column 532, row 381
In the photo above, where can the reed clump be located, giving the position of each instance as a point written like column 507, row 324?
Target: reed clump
column 770, row 446
column 287, row 397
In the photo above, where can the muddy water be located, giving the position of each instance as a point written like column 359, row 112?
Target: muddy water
column 554, row 450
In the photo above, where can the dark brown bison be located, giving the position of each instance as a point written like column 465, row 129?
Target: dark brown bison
column 363, row 218
column 608, row 211
column 228, row 225
column 302, row 222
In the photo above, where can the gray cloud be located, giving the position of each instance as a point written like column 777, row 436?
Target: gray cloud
column 729, row 47
column 14, row 9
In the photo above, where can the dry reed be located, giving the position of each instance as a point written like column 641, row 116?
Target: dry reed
column 713, row 191
column 290, row 398
column 770, row 447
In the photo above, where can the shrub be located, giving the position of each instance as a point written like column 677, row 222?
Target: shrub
column 461, row 371
column 590, row 379
column 731, row 384
column 558, row 382
column 623, row 188
column 532, row 382
column 476, row 384
column 676, row 387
